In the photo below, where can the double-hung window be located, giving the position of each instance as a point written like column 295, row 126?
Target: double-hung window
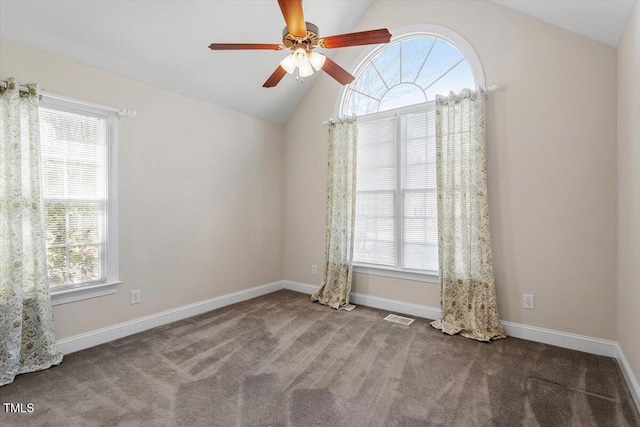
column 396, row 228
column 396, row 220
column 78, row 186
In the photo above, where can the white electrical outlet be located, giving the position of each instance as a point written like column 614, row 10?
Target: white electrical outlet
column 528, row 301
column 314, row 270
column 135, row 296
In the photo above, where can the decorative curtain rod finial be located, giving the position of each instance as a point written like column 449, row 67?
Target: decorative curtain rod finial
column 126, row 113
column 487, row 89
column 333, row 120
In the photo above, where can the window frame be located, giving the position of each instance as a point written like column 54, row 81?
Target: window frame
column 411, row 31
column 76, row 292
column 419, row 30
column 398, row 271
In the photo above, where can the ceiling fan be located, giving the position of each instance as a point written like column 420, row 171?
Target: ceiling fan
column 302, row 38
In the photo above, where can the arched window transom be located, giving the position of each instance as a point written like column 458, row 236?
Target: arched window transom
column 411, row 70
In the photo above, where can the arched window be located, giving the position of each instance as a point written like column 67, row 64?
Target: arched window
column 396, row 231
column 412, row 69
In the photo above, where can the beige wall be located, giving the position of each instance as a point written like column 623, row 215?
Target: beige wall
column 201, row 192
column 629, row 192
column 552, row 166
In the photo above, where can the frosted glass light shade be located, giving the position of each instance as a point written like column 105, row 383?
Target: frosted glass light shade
column 317, row 60
column 289, row 64
column 306, row 70
column 300, row 57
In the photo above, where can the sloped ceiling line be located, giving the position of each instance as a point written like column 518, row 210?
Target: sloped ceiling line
column 164, row 43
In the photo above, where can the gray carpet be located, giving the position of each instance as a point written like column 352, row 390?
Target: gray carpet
column 282, row 360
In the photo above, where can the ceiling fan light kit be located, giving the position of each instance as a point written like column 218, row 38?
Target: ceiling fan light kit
column 305, row 70
column 317, row 60
column 305, row 62
column 302, row 38
column 289, row 64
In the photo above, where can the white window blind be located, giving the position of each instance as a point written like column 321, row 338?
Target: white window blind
column 74, row 185
column 375, row 234
column 396, row 210
column 419, row 216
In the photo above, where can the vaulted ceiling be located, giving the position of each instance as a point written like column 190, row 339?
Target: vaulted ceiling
column 164, row 43
column 602, row 20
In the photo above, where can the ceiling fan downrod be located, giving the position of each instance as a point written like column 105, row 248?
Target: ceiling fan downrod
column 310, row 40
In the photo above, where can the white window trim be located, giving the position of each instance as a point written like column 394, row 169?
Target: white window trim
column 64, row 296
column 471, row 56
column 71, row 293
column 397, row 273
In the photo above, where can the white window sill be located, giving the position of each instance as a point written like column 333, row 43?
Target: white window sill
column 397, row 274
column 80, row 293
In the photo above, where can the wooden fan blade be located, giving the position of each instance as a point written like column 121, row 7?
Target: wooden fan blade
column 356, row 39
column 294, row 17
column 275, row 78
column 245, row 46
column 337, row 72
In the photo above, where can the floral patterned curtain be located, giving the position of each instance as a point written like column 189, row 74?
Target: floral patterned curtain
column 27, row 341
column 341, row 200
column 468, row 295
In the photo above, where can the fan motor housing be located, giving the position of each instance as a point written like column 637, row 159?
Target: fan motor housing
column 309, row 42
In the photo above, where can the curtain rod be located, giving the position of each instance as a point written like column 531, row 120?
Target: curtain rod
column 121, row 112
column 483, row 89
column 337, row 119
column 487, row 89
column 24, row 89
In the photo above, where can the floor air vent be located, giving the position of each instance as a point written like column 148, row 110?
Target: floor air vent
column 399, row 319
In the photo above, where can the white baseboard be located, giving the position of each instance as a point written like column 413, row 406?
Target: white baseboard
column 631, row 379
column 585, row 343
column 532, row 333
column 303, row 288
column 110, row 333
column 374, row 302
column 417, row 310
